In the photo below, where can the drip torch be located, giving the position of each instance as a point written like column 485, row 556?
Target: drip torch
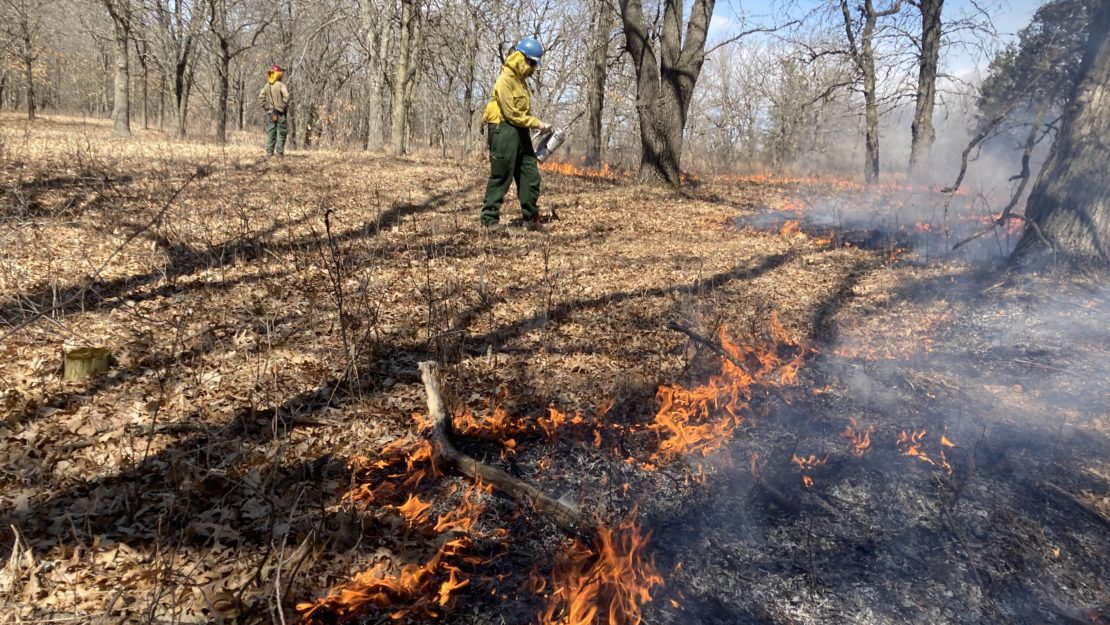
column 545, row 142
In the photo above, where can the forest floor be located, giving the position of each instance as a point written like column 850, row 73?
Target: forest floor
column 253, row 456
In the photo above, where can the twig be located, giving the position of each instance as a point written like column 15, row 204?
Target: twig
column 951, row 524
column 446, row 455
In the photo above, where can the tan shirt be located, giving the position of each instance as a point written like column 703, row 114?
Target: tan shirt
column 274, row 97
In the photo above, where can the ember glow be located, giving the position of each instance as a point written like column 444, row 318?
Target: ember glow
column 607, row 583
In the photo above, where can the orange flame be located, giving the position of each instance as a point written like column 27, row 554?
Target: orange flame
column 570, row 169
column 702, row 419
column 414, row 511
column 808, row 463
column 790, row 227
column 911, row 446
column 859, row 439
column 610, row 581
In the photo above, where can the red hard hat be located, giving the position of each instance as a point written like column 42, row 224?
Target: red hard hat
column 277, row 68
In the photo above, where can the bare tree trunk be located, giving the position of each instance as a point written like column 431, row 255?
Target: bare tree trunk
column 665, row 83
column 921, row 130
column 121, row 105
column 224, row 77
column 595, row 83
column 1069, row 207
column 404, row 74
column 146, row 103
column 471, row 76
column 183, row 84
column 241, row 96
column 3, row 87
column 376, row 34
column 871, row 118
column 28, row 68
column 162, row 101
column 862, row 52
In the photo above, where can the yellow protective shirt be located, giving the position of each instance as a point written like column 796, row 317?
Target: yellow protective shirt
column 511, row 101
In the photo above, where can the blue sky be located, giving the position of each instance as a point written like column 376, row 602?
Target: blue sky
column 1009, row 16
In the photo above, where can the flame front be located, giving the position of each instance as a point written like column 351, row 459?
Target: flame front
column 702, row 419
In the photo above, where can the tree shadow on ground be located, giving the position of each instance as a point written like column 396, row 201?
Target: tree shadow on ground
column 108, row 294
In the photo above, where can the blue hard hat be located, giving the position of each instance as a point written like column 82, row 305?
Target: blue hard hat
column 531, row 48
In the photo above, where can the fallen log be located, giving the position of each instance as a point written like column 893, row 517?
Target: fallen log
column 446, row 456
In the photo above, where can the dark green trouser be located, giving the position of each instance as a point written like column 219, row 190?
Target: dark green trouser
column 275, row 133
column 511, row 159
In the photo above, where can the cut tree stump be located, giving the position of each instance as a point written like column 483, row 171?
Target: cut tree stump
column 445, row 456
column 84, row 362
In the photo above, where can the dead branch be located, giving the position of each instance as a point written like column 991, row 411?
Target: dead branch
column 445, row 455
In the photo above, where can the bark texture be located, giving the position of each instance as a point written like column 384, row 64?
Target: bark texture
column 120, row 11
column 1068, row 211
column 404, row 78
column 921, row 129
column 861, row 49
column 665, row 80
column 595, row 82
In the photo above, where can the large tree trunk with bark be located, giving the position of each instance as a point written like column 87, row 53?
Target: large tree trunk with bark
column 1068, row 212
column 921, row 129
column 665, row 81
column 182, row 86
column 595, row 83
column 121, row 104
column 404, row 74
column 375, row 31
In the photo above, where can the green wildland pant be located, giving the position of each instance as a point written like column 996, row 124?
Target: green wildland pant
column 275, row 133
column 511, row 158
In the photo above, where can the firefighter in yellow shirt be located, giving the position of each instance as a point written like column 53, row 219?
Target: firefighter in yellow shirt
column 509, row 122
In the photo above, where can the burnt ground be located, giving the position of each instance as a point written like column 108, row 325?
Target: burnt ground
column 266, row 319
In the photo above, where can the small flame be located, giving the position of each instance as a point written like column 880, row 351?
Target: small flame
column 414, row 511
column 860, row 439
column 911, row 445
column 790, row 227
column 807, row 464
